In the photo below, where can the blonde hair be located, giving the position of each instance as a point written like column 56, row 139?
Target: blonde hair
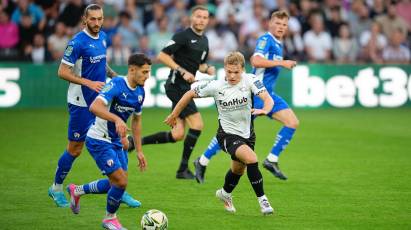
column 281, row 14
column 234, row 58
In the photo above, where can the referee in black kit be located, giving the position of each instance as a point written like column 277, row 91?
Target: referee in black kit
column 185, row 54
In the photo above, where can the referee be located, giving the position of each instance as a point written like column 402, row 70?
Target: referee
column 185, row 54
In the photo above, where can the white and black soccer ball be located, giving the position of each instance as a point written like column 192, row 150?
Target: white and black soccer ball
column 154, row 219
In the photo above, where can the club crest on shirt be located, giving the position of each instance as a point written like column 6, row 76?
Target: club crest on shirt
column 140, row 98
column 262, row 44
column 68, row 51
column 110, row 162
column 107, row 87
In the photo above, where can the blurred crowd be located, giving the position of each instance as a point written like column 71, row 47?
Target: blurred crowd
column 320, row 31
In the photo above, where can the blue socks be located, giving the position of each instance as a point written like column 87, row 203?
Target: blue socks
column 97, row 187
column 212, row 148
column 63, row 167
column 283, row 138
column 113, row 198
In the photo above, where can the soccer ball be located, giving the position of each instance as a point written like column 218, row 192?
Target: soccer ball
column 154, row 220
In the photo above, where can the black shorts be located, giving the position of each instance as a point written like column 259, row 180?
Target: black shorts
column 175, row 93
column 229, row 143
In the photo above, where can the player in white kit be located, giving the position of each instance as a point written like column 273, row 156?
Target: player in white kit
column 233, row 96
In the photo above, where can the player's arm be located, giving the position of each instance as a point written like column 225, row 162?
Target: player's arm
column 207, row 69
column 259, row 61
column 136, row 130
column 66, row 72
column 268, row 104
column 168, row 61
column 99, row 108
column 187, row 97
column 110, row 72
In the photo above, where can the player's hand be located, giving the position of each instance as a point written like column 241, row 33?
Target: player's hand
column 142, row 164
column 95, row 85
column 124, row 142
column 289, row 64
column 258, row 112
column 171, row 120
column 211, row 70
column 189, row 77
column 121, row 128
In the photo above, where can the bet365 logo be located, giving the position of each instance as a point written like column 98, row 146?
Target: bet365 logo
column 10, row 92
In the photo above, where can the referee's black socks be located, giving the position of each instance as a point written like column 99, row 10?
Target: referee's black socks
column 256, row 179
column 189, row 143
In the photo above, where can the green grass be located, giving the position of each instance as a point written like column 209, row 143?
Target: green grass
column 347, row 169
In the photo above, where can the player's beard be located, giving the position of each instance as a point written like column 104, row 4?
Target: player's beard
column 93, row 30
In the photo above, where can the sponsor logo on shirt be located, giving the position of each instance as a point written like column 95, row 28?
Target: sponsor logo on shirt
column 97, row 59
column 233, row 102
column 123, row 109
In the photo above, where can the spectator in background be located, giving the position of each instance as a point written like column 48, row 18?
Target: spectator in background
column 176, row 13
column 317, row 42
column 27, row 32
column 396, row 52
column 293, row 42
column 57, row 42
column 9, row 37
column 110, row 28
column 345, row 48
column 377, row 9
column 28, row 8
column 391, row 21
column 136, row 14
column 403, row 9
column 362, row 21
column 36, row 52
column 8, row 6
column 334, row 22
column 128, row 32
column 158, row 13
column 221, row 41
column 372, row 43
column 144, row 47
column 184, row 23
column 159, row 39
column 117, row 53
column 233, row 25
column 71, row 14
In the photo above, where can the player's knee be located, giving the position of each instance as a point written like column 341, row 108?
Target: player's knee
column 250, row 159
column 293, row 123
column 178, row 135
column 238, row 171
column 74, row 149
column 120, row 182
column 198, row 125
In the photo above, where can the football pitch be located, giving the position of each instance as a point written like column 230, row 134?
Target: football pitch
column 347, row 169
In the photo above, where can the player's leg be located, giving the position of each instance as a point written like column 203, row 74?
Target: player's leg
column 79, row 122
column 231, row 180
column 118, row 180
column 123, row 158
column 288, row 118
column 245, row 154
column 195, row 124
column 201, row 162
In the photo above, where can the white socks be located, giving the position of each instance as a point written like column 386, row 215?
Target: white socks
column 57, row 187
column 204, row 160
column 272, row 158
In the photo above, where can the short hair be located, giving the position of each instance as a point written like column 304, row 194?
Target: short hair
column 138, row 59
column 91, row 7
column 281, row 14
column 198, row 7
column 234, row 58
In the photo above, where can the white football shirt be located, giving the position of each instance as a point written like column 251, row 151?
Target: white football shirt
column 234, row 102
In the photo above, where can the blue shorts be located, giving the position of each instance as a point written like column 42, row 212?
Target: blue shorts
column 80, row 121
column 108, row 157
column 279, row 104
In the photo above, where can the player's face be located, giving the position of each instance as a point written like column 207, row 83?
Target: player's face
column 279, row 27
column 94, row 21
column 199, row 20
column 233, row 73
column 142, row 74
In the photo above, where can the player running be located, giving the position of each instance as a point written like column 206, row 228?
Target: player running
column 233, row 96
column 267, row 61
